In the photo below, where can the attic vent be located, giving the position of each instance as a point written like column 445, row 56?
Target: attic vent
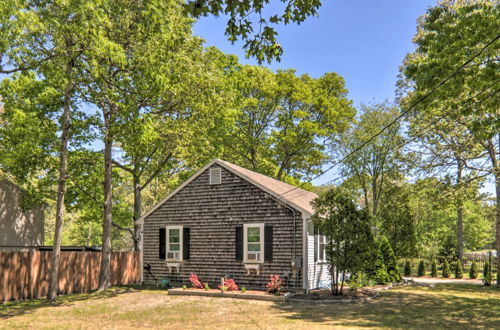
column 215, row 175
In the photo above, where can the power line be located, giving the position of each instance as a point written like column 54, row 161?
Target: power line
column 404, row 113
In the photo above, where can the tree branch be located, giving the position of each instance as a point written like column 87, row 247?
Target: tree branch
column 158, row 169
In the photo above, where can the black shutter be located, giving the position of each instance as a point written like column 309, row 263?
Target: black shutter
column 186, row 236
column 239, row 243
column 315, row 244
column 268, row 243
column 161, row 251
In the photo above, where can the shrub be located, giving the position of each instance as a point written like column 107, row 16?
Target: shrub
column 229, row 285
column 434, row 268
column 459, row 270
column 421, row 268
column 184, row 287
column 377, row 270
column 207, row 287
column 473, row 270
column 407, row 268
column 358, row 281
column 446, row 269
column 487, row 275
column 274, row 285
column 195, row 281
column 390, row 261
column 243, row 290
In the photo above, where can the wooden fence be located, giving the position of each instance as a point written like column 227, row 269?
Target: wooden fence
column 25, row 275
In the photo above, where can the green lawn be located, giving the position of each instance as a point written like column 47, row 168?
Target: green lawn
column 442, row 306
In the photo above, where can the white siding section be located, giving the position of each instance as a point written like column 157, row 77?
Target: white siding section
column 317, row 272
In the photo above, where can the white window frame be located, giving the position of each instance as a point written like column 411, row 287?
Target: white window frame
column 245, row 242
column 167, row 243
column 321, row 240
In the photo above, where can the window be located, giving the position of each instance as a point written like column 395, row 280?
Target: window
column 321, row 248
column 215, row 175
column 174, row 242
column 254, row 242
column 320, row 242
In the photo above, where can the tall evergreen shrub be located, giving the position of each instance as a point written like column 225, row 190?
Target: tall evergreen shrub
column 407, row 268
column 446, row 269
column 473, row 270
column 434, row 269
column 390, row 260
column 459, row 270
column 421, row 268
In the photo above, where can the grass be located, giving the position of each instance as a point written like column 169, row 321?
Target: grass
column 441, row 306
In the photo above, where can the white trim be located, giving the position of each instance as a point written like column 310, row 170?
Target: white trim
column 305, row 261
column 221, row 163
column 245, row 242
column 181, row 241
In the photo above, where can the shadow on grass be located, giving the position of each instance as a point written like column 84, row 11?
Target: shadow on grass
column 408, row 309
column 17, row 308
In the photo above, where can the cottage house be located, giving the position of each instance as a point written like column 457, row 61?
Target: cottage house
column 228, row 221
column 20, row 227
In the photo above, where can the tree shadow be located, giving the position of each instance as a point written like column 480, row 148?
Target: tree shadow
column 18, row 308
column 404, row 309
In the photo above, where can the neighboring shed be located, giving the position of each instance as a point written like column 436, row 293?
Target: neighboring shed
column 228, row 221
column 19, row 227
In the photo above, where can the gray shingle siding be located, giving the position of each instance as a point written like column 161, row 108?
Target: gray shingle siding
column 212, row 213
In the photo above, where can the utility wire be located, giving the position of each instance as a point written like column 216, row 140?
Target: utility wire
column 404, row 113
column 426, row 128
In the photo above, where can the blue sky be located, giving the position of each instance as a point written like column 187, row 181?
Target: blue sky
column 365, row 41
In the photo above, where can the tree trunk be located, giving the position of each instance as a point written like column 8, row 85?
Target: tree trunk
column 460, row 240
column 61, row 189
column 104, row 275
column 137, row 213
column 374, row 198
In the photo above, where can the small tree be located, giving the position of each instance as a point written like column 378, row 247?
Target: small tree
column 434, row 270
column 487, row 274
column 390, row 260
column 459, row 270
column 376, row 269
column 446, row 269
column 407, row 269
column 421, row 268
column 473, row 270
column 348, row 231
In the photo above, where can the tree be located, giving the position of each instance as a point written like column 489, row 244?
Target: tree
column 473, row 270
column 284, row 122
column 434, row 271
column 390, row 260
column 459, row 269
column 450, row 34
column 371, row 167
column 407, row 269
column 245, row 16
column 347, row 229
column 421, row 268
column 446, row 269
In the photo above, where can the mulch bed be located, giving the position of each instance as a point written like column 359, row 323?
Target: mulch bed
column 326, row 295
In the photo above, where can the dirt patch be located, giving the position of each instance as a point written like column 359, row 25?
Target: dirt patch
column 326, row 295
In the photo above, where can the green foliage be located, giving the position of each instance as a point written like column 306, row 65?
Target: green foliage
column 407, row 268
column 390, row 260
column 487, row 272
column 377, row 270
column 434, row 270
column 421, row 268
column 253, row 23
column 473, row 271
column 206, row 287
column 459, row 270
column 358, row 281
column 283, row 121
column 446, row 269
column 348, row 232
column 243, row 289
